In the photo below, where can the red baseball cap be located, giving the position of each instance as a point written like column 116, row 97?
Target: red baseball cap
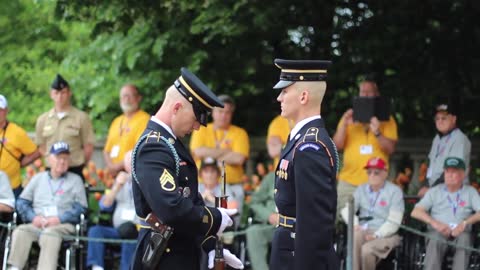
column 376, row 163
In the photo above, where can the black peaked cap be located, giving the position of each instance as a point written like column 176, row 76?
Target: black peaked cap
column 300, row 70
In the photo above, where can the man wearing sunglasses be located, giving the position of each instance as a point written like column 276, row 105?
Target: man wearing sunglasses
column 380, row 207
column 449, row 141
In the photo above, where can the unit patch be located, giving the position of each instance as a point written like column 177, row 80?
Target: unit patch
column 166, row 181
column 309, row 145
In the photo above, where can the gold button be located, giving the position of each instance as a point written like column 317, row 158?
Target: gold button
column 301, row 78
column 167, row 250
column 190, row 99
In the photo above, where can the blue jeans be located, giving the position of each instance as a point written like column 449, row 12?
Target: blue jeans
column 17, row 191
column 96, row 250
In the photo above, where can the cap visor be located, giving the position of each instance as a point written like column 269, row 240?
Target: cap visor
column 282, row 84
column 374, row 167
column 60, row 152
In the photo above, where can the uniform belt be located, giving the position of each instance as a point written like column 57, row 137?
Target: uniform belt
column 285, row 221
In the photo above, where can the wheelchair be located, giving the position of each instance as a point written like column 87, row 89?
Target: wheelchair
column 405, row 256
column 6, row 235
column 419, row 246
column 391, row 262
column 72, row 249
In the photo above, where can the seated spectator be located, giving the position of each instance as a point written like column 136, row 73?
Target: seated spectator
column 380, row 208
column 211, row 187
column 449, row 210
column 7, row 199
column 260, row 234
column 49, row 206
column 120, row 197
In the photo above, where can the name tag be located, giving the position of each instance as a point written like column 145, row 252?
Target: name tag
column 128, row 214
column 50, row 211
column 366, row 149
column 115, row 151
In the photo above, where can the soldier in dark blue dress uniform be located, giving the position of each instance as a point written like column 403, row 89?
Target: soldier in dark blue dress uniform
column 305, row 182
column 166, row 186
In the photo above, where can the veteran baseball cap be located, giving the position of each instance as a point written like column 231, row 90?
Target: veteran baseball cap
column 376, row 163
column 59, row 83
column 196, row 92
column 300, row 70
column 59, row 148
column 448, row 107
column 209, row 161
column 454, row 162
column 3, row 102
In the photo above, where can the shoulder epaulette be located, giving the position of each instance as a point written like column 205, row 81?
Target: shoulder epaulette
column 311, row 135
column 154, row 136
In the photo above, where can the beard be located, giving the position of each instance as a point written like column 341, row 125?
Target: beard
column 128, row 108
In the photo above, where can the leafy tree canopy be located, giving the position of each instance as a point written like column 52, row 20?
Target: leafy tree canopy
column 418, row 51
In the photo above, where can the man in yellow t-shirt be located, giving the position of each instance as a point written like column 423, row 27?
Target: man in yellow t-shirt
column 360, row 142
column 277, row 136
column 16, row 148
column 224, row 142
column 125, row 129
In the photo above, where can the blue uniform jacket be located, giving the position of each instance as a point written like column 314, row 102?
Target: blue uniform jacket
column 173, row 198
column 305, row 189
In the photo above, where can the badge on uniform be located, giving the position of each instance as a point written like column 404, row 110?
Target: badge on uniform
column 282, row 172
column 309, row 145
column 166, row 181
column 186, row 192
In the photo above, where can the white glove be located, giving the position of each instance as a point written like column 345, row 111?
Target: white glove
column 230, row 259
column 226, row 220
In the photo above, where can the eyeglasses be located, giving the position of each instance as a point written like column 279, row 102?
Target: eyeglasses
column 375, row 172
column 62, row 158
column 441, row 118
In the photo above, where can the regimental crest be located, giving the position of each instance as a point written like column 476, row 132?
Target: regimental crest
column 167, row 182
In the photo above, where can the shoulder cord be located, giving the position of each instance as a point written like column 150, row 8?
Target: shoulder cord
column 170, row 146
column 337, row 160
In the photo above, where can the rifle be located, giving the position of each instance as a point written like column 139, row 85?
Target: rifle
column 219, row 262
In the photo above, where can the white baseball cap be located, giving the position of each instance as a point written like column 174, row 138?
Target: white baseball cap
column 3, row 102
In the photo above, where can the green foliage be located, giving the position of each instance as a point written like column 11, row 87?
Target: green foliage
column 418, row 50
